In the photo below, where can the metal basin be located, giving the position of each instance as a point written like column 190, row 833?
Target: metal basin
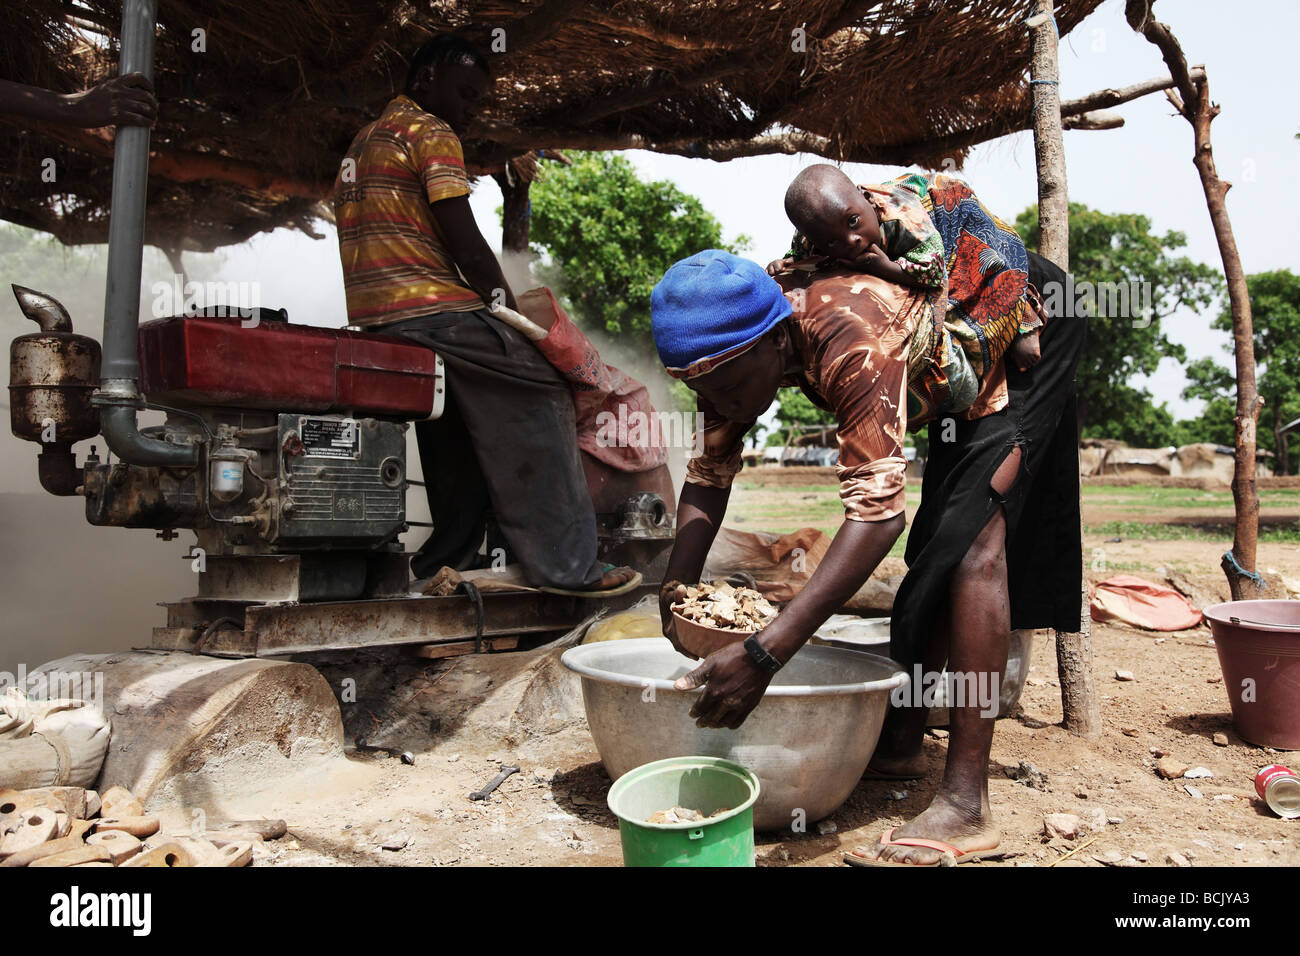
column 808, row 741
column 871, row 634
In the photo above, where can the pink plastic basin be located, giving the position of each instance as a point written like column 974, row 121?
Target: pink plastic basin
column 1259, row 652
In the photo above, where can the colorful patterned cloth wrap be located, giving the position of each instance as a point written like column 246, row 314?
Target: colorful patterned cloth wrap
column 980, row 296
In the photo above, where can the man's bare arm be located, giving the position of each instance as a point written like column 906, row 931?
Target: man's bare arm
column 121, row 101
column 473, row 256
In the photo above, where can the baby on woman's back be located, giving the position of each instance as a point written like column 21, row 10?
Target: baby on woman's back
column 931, row 234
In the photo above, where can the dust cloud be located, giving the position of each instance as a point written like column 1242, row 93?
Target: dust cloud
column 66, row 586
column 632, row 353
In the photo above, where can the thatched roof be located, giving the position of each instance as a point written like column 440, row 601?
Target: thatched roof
column 251, row 130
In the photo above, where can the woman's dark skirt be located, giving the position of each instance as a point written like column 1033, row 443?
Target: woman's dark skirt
column 1044, row 550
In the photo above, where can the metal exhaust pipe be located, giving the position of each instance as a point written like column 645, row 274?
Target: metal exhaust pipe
column 118, row 396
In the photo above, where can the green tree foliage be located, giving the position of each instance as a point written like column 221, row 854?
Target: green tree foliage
column 1213, row 384
column 1275, row 309
column 793, row 407
column 607, row 236
column 1121, row 250
column 72, row 274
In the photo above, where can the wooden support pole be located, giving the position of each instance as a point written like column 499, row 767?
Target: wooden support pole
column 1093, row 119
column 1113, row 96
column 1192, row 100
column 1082, row 714
column 1049, row 146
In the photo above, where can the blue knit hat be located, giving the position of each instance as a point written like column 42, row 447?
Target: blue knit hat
column 711, row 307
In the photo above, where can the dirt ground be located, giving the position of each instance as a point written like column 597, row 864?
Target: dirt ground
column 553, row 811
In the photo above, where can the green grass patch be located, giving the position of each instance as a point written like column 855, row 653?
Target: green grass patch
column 1141, row 497
column 825, row 513
column 1112, row 566
column 788, row 489
column 1283, row 533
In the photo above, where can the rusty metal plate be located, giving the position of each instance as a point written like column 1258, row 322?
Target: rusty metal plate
column 342, row 625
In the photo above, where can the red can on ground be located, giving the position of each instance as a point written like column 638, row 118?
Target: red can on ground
column 1279, row 787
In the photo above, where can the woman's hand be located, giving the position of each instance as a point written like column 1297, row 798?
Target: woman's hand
column 733, row 683
column 733, row 686
column 777, row 266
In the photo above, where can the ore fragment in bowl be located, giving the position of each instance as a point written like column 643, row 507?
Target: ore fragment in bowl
column 708, row 617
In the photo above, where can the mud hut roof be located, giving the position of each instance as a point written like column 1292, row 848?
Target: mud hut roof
column 260, row 98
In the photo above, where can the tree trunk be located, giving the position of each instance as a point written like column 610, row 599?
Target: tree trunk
column 1280, row 463
column 1082, row 715
column 1193, row 102
column 516, row 211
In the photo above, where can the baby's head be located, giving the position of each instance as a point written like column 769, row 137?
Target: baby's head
column 832, row 213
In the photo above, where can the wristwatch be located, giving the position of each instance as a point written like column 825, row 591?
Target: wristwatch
column 760, row 656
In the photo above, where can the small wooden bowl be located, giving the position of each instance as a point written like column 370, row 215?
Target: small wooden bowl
column 702, row 640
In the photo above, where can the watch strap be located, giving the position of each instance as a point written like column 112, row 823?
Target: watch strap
column 758, row 653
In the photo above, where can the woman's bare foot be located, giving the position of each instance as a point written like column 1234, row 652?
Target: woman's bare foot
column 944, row 821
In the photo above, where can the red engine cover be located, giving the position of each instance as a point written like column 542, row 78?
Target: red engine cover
column 282, row 367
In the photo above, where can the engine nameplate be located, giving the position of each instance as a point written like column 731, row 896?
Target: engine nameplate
column 335, row 488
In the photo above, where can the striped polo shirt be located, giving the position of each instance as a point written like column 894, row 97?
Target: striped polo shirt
column 396, row 264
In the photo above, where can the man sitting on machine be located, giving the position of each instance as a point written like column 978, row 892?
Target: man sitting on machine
column 415, row 264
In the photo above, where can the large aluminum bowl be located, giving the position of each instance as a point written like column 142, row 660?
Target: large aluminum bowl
column 808, row 741
column 871, row 634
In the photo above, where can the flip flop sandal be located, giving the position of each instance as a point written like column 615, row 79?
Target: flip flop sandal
column 887, row 839
column 624, row 588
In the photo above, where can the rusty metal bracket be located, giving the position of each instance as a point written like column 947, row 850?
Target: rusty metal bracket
column 297, row 627
column 476, row 596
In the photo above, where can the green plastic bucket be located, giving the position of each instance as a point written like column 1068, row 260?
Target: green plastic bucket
column 706, row 784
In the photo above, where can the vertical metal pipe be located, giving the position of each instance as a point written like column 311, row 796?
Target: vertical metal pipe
column 119, row 382
column 126, row 224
